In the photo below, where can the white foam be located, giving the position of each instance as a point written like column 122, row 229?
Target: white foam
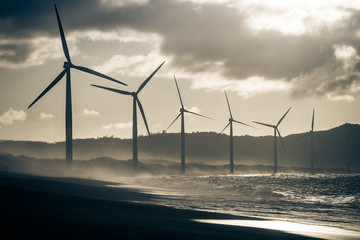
column 318, row 231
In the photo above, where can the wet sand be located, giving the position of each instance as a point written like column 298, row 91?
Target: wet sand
column 68, row 208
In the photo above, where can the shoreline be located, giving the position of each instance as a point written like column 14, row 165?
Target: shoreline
column 48, row 207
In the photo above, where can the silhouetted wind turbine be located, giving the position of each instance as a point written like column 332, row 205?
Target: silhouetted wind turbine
column 349, row 147
column 182, row 111
column 68, row 113
column 276, row 130
column 231, row 120
column 312, row 133
column 136, row 102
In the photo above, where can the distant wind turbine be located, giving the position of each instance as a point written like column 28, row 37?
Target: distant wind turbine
column 312, row 134
column 276, row 130
column 349, row 147
column 231, row 120
column 68, row 113
column 136, row 102
column 182, row 111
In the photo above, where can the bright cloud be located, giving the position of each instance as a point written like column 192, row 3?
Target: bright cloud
column 46, row 116
column 11, row 116
column 122, row 36
column 87, row 112
column 156, row 126
column 294, row 17
column 245, row 88
column 117, row 3
column 117, row 126
column 195, row 110
column 135, row 65
column 347, row 54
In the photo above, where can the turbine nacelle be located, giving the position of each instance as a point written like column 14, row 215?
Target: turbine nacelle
column 231, row 119
column 133, row 94
column 181, row 110
column 68, row 65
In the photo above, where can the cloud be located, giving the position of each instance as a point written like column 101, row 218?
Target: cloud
column 156, row 126
column 246, row 88
column 271, row 44
column 135, row 65
column 116, row 3
column 336, row 80
column 195, row 110
column 12, row 116
column 87, row 112
column 23, row 53
column 117, row 126
column 47, row 116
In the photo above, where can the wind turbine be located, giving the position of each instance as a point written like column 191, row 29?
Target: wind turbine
column 276, row 130
column 68, row 112
column 349, row 147
column 136, row 102
column 182, row 113
column 231, row 120
column 312, row 134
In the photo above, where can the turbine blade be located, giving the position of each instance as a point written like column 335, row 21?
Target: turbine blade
column 177, row 87
column 62, row 35
column 283, row 117
column 197, row 114
column 312, row 122
column 173, row 122
column 227, row 100
column 143, row 115
column 242, row 123
column 149, row 77
column 112, row 89
column 225, row 127
column 53, row 83
column 281, row 139
column 301, row 136
column 88, row 70
column 265, row 124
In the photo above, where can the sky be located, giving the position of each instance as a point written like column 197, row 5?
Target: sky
column 267, row 55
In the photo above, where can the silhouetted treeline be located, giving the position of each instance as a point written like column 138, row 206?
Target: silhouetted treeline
column 331, row 149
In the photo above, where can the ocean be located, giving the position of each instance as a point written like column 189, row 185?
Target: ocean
column 322, row 200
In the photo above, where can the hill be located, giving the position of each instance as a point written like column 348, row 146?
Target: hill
column 332, row 149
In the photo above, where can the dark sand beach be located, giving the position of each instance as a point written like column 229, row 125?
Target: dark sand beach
column 68, row 208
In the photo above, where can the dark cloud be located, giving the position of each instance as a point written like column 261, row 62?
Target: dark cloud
column 357, row 67
column 343, row 86
column 14, row 53
column 330, row 80
column 216, row 33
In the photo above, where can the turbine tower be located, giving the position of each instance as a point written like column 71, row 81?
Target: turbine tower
column 276, row 130
column 68, row 112
column 182, row 113
column 312, row 134
column 136, row 102
column 312, row 143
column 231, row 120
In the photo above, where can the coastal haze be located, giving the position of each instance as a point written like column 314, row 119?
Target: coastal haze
column 79, row 161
